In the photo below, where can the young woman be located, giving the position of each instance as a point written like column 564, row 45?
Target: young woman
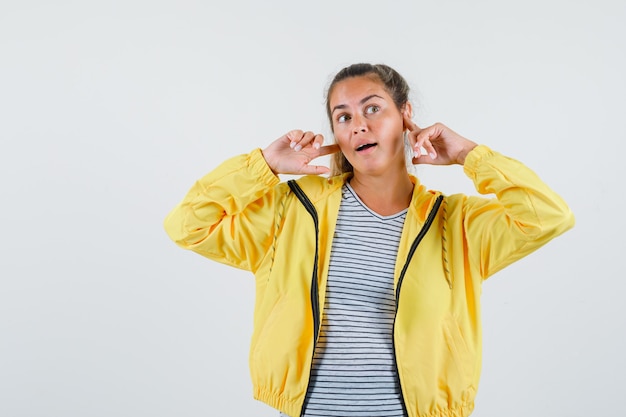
column 367, row 283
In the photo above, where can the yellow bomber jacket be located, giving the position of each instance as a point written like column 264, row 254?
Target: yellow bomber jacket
column 240, row 214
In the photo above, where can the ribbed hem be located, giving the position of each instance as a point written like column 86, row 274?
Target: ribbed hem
column 293, row 408
column 462, row 411
column 290, row 407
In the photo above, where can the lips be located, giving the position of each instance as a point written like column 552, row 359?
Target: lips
column 365, row 146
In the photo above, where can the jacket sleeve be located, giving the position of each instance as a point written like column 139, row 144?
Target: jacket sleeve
column 525, row 215
column 228, row 215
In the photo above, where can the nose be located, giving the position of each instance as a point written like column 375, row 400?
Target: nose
column 359, row 124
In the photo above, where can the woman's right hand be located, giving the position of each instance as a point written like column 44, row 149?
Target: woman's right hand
column 293, row 152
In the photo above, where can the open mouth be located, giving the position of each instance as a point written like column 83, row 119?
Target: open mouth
column 365, row 146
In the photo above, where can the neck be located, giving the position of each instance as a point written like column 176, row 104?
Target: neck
column 387, row 194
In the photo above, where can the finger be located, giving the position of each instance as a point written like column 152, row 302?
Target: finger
column 304, row 141
column 409, row 124
column 294, row 137
column 424, row 147
column 423, row 140
column 329, row 149
column 412, row 135
column 315, row 170
column 419, row 151
column 430, row 149
column 318, row 141
column 424, row 151
column 418, row 143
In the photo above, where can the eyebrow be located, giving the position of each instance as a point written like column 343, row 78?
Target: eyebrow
column 363, row 100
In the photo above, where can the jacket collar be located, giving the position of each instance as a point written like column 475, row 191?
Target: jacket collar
column 320, row 188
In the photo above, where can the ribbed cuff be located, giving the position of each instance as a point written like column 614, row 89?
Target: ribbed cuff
column 259, row 167
column 475, row 158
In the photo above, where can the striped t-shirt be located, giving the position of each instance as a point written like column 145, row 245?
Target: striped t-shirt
column 353, row 371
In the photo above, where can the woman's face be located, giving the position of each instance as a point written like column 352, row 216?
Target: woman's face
column 368, row 126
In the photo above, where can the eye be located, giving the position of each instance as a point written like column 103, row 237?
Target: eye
column 372, row 109
column 343, row 118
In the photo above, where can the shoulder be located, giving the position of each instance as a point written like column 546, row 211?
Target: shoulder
column 318, row 188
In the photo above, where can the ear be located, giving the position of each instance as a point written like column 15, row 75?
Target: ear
column 407, row 111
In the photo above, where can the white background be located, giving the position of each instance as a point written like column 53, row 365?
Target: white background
column 110, row 110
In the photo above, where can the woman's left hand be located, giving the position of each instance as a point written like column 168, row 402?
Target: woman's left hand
column 443, row 146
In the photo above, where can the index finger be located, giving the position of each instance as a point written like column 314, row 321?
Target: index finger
column 328, row 149
column 409, row 123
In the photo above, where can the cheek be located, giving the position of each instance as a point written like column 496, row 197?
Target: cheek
column 341, row 138
column 388, row 130
column 344, row 144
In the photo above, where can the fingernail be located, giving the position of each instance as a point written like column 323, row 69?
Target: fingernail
column 297, row 148
column 316, row 145
column 292, row 144
column 432, row 155
column 416, row 154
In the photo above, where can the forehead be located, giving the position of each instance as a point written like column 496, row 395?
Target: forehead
column 355, row 88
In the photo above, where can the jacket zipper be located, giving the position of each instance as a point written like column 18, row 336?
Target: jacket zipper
column 416, row 242
column 295, row 188
column 314, row 287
